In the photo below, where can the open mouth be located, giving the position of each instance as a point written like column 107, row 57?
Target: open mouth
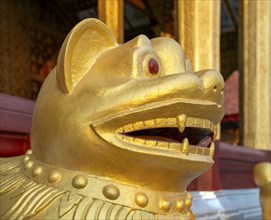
column 183, row 134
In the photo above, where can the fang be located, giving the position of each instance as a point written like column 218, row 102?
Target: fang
column 181, row 122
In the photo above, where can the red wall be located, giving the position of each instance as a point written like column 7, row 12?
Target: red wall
column 232, row 169
column 15, row 125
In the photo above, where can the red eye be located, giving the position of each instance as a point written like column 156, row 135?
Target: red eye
column 153, row 66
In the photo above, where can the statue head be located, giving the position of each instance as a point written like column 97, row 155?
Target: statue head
column 134, row 112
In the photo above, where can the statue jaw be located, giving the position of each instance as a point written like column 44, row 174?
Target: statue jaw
column 163, row 136
column 179, row 146
column 169, row 130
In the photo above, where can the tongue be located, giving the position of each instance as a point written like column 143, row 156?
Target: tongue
column 206, row 142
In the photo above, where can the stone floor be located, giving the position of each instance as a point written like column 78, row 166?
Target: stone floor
column 227, row 204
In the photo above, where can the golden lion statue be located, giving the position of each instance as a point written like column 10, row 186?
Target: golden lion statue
column 118, row 132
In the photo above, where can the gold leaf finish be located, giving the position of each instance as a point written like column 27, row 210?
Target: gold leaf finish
column 262, row 178
column 118, row 132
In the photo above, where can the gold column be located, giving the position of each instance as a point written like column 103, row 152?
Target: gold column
column 198, row 31
column 255, row 80
column 111, row 12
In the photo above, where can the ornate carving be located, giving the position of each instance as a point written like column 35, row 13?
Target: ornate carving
column 112, row 140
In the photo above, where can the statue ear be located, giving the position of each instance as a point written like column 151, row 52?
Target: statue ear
column 83, row 45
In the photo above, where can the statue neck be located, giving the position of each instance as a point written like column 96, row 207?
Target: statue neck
column 135, row 197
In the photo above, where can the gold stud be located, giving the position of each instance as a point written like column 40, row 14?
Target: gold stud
column 29, row 152
column 111, row 192
column 25, row 159
column 29, row 164
column 165, row 205
column 80, row 181
column 37, row 171
column 180, row 205
column 53, row 176
column 141, row 199
column 188, row 203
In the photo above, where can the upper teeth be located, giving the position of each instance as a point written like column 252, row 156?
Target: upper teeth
column 181, row 121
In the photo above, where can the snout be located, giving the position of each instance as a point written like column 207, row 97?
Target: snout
column 213, row 85
column 207, row 85
column 203, row 85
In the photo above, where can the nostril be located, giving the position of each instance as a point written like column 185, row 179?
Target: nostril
column 215, row 89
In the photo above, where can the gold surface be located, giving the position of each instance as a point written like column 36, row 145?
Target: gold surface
column 256, row 74
column 112, row 14
column 198, row 30
column 262, row 178
column 86, row 164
